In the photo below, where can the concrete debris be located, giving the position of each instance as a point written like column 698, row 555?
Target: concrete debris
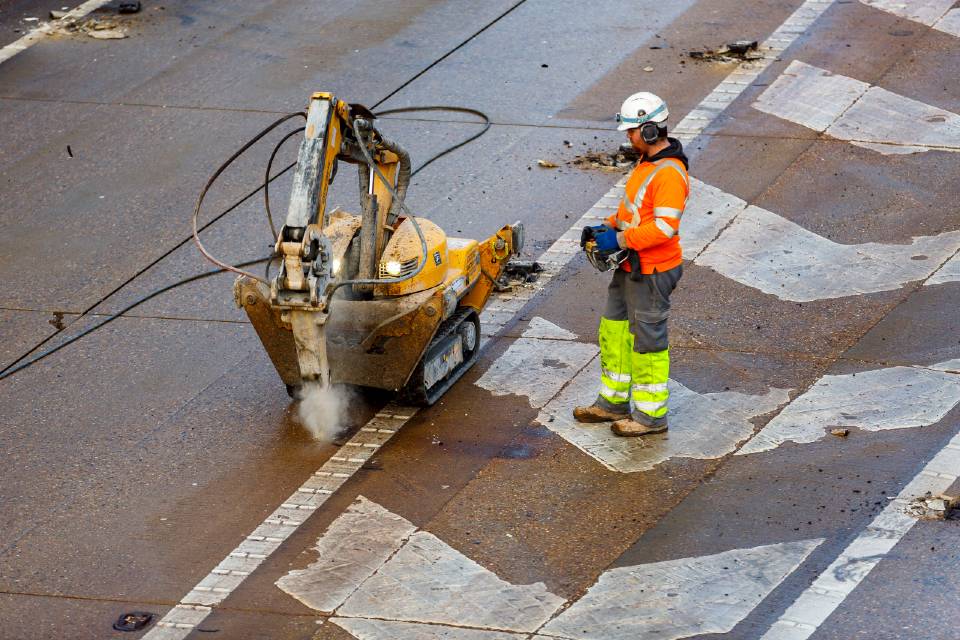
column 840, row 433
column 546, row 164
column 730, row 52
column 934, row 507
column 618, row 162
column 56, row 15
column 648, row 69
column 98, row 28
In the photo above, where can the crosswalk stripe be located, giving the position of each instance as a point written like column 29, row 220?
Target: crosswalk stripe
column 867, row 116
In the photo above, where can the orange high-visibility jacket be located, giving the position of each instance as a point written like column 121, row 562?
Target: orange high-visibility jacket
column 648, row 219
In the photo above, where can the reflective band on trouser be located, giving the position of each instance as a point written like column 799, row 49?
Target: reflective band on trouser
column 616, row 349
column 649, row 393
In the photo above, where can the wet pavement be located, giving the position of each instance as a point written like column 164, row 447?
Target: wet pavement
column 157, row 464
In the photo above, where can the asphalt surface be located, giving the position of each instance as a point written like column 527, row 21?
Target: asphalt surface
column 135, row 459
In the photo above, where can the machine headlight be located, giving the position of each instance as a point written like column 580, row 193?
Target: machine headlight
column 393, row 268
column 335, row 266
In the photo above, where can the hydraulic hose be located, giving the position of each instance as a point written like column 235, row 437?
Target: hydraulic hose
column 9, row 371
column 332, row 287
column 267, row 180
column 15, row 368
column 213, row 178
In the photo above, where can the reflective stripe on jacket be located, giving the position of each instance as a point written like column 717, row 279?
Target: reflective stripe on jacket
column 649, row 214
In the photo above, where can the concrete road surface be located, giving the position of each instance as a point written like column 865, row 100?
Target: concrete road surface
column 157, row 464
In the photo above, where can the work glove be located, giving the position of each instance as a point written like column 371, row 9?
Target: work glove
column 607, row 240
column 589, row 233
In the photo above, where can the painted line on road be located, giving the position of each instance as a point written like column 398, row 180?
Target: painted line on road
column 948, row 272
column 217, row 585
column 680, row 598
column 876, row 400
column 703, row 426
column 938, row 14
column 795, row 264
column 380, row 578
column 854, row 564
column 694, row 123
column 859, row 113
column 279, row 525
column 38, row 34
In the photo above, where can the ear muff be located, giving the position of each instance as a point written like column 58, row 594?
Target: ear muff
column 649, row 131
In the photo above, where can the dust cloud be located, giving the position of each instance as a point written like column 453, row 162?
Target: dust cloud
column 322, row 410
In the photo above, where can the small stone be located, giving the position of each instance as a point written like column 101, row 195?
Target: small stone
column 840, row 433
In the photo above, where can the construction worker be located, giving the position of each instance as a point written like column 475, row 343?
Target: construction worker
column 643, row 239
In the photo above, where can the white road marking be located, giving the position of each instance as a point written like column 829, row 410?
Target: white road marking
column 702, row 426
column 537, row 367
column 357, row 543
column 938, row 14
column 427, row 580
column 393, row 572
column 680, row 598
column 287, row 518
column 180, row 620
column 546, row 330
column 695, row 122
column 865, row 115
column 880, row 399
column 415, row 586
column 763, row 250
column 38, row 34
column 949, row 272
column 855, row 563
column 708, row 211
column 364, row 629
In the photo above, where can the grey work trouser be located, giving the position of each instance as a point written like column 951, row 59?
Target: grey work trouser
column 644, row 301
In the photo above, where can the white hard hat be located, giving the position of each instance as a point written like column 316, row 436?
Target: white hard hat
column 639, row 108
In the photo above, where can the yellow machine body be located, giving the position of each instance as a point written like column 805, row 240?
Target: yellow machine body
column 349, row 304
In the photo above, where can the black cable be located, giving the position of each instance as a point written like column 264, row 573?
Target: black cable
column 267, row 180
column 10, row 371
column 194, row 219
column 486, row 126
column 13, row 368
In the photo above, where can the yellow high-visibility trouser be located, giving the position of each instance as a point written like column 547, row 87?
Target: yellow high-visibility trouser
column 634, row 351
column 628, row 376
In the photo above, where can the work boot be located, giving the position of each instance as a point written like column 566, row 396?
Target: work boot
column 600, row 411
column 639, row 425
